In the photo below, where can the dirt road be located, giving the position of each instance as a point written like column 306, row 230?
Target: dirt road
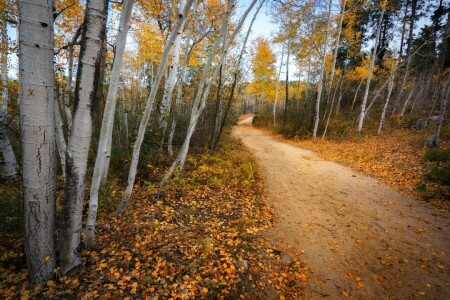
column 360, row 238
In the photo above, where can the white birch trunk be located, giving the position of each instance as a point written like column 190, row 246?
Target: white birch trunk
column 202, row 93
column 179, row 94
column 363, row 112
column 383, row 114
column 277, row 88
column 356, row 93
column 222, row 119
column 149, row 106
column 333, row 67
column 322, row 73
column 172, row 77
column 405, row 105
column 37, row 111
column 104, row 146
column 437, row 130
column 60, row 140
column 80, row 137
column 8, row 163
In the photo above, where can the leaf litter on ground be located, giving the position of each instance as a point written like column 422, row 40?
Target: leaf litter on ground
column 199, row 237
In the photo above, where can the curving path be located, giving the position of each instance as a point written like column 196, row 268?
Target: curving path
column 360, row 238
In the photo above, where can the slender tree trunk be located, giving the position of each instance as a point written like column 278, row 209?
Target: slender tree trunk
column 437, row 130
column 60, row 140
column 236, row 73
column 402, row 113
column 403, row 28
column 218, row 114
column 104, row 146
column 286, row 101
column 179, row 94
column 383, row 114
column 333, row 68
column 356, row 93
column 4, row 69
column 80, row 137
column 68, row 91
column 37, row 111
column 331, row 111
column 202, row 93
column 172, row 78
column 149, row 106
column 363, row 112
column 8, row 163
column 321, row 76
column 277, row 88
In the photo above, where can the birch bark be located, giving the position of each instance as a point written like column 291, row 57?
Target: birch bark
column 173, row 74
column 149, row 107
column 80, row 137
column 322, row 73
column 37, row 111
column 8, row 163
column 203, row 92
column 104, row 146
column 363, row 112
column 383, row 114
column 277, row 88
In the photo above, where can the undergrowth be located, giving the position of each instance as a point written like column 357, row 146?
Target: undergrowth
column 200, row 236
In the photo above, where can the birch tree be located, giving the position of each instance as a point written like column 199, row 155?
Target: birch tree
column 104, row 147
column 149, row 105
column 37, row 111
column 8, row 163
column 173, row 74
column 363, row 112
column 322, row 74
column 204, row 87
column 94, row 28
column 277, row 88
column 386, row 103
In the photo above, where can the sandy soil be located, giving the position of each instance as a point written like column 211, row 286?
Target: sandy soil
column 359, row 238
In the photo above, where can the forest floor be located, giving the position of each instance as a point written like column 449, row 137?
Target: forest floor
column 200, row 237
column 359, row 237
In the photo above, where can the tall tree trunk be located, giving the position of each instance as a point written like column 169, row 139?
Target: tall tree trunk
column 404, row 28
column 437, row 130
column 218, row 112
column 383, row 114
column 277, row 88
column 149, row 106
column 338, row 38
column 412, row 20
column 172, row 78
column 179, row 94
column 286, row 101
column 68, row 91
column 236, row 74
column 60, row 140
column 363, row 112
column 202, row 93
column 322, row 75
column 80, row 138
column 37, row 111
column 8, row 163
column 104, row 146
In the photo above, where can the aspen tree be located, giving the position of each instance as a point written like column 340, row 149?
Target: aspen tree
column 94, row 28
column 149, row 106
column 104, row 146
column 363, row 112
column 8, row 163
column 37, row 112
